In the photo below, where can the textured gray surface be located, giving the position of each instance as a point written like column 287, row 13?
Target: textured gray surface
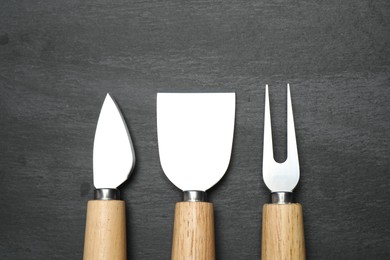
column 59, row 58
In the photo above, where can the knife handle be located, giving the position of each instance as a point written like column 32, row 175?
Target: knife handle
column 283, row 236
column 193, row 231
column 105, row 232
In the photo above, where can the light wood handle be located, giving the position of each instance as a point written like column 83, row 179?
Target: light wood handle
column 105, row 232
column 283, row 236
column 193, row 231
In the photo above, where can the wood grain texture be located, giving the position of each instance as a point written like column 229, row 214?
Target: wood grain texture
column 193, row 231
column 283, row 236
column 58, row 59
column 105, row 231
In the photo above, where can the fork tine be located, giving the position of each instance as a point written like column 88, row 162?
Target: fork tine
column 292, row 151
column 268, row 153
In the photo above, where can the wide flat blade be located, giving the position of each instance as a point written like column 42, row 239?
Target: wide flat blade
column 195, row 137
column 113, row 153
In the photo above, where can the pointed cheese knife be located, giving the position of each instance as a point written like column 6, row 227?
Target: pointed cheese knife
column 113, row 161
column 195, row 136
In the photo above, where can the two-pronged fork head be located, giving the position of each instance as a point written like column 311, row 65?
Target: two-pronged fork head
column 280, row 177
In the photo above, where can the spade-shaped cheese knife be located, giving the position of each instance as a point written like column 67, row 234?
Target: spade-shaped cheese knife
column 195, row 136
column 113, row 161
column 283, row 236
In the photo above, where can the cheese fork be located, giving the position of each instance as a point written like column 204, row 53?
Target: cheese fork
column 282, row 234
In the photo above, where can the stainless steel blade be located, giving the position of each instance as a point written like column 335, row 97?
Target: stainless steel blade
column 195, row 136
column 280, row 177
column 113, row 152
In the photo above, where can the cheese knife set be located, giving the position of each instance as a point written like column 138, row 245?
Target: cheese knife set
column 195, row 138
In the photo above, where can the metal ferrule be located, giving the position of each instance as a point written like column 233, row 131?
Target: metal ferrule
column 281, row 197
column 194, row 196
column 106, row 194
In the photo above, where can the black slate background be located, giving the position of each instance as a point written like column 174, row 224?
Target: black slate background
column 59, row 58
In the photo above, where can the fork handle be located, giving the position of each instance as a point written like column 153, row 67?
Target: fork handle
column 193, row 231
column 105, row 232
column 283, row 236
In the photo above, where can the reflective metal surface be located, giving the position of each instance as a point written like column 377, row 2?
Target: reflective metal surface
column 106, row 194
column 195, row 137
column 194, row 195
column 113, row 152
column 281, row 197
column 280, row 177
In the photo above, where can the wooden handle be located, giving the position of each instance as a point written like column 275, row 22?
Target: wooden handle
column 105, row 232
column 283, row 232
column 193, row 231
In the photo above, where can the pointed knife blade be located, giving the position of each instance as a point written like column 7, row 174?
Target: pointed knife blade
column 113, row 152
